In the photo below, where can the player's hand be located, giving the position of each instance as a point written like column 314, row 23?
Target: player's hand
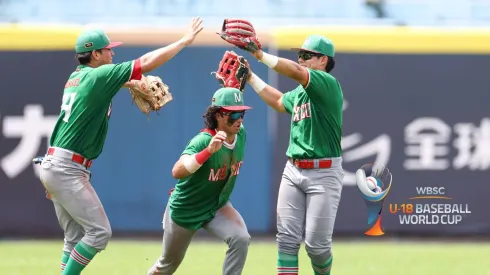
column 216, row 142
column 195, row 27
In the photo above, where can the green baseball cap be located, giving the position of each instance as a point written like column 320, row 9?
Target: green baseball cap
column 230, row 99
column 94, row 39
column 318, row 44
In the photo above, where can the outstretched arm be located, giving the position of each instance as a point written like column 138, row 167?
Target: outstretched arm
column 154, row 59
column 284, row 67
column 158, row 57
column 269, row 94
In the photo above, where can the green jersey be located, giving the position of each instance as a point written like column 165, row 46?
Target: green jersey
column 196, row 199
column 86, row 106
column 316, row 117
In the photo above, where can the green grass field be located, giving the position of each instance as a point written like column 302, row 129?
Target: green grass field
column 351, row 258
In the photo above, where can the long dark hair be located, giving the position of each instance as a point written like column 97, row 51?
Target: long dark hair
column 210, row 117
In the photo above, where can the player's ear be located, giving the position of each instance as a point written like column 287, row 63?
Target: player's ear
column 96, row 54
column 324, row 60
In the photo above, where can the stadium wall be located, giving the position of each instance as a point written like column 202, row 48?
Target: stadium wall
column 392, row 87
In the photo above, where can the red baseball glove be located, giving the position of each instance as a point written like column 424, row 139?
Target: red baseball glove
column 232, row 71
column 240, row 33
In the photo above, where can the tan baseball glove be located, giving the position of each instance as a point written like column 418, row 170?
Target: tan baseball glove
column 150, row 93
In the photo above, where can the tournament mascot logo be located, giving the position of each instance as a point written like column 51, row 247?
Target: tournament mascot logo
column 374, row 189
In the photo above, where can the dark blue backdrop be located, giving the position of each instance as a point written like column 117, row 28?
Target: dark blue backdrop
column 387, row 98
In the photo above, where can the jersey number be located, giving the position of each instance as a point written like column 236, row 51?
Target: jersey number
column 68, row 100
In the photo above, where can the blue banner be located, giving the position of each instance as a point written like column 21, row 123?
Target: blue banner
column 425, row 116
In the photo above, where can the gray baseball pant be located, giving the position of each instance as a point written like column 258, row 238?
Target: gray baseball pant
column 307, row 206
column 228, row 225
column 78, row 208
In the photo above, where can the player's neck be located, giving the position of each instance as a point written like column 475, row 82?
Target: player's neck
column 230, row 139
column 91, row 65
column 94, row 64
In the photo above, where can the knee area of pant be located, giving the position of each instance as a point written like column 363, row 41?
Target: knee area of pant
column 319, row 254
column 105, row 233
column 288, row 242
column 240, row 241
column 103, row 236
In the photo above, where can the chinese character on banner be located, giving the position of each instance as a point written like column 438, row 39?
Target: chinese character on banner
column 472, row 145
column 30, row 128
column 427, row 140
column 379, row 147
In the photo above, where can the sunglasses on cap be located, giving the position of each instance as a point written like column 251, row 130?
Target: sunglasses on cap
column 305, row 55
column 234, row 115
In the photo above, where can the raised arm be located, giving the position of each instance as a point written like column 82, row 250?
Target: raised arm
column 158, row 57
column 154, row 59
column 284, row 67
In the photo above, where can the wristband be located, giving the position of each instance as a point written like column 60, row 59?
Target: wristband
column 269, row 60
column 194, row 162
column 202, row 156
column 256, row 83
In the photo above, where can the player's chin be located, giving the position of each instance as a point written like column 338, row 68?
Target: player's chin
column 236, row 127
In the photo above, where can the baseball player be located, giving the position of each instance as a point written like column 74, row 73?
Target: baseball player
column 206, row 173
column 79, row 135
column 311, row 184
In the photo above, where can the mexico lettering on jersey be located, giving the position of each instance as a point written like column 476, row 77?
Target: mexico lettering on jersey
column 316, row 117
column 196, row 199
column 86, row 106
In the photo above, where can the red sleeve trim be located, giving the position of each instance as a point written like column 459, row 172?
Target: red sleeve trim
column 136, row 72
column 209, row 131
column 308, row 79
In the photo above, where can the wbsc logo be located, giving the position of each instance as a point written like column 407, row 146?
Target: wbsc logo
column 374, row 182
